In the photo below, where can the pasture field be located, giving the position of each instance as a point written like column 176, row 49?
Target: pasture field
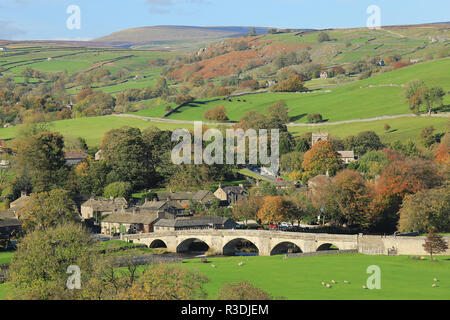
column 401, row 128
column 366, row 98
column 402, row 278
column 93, row 128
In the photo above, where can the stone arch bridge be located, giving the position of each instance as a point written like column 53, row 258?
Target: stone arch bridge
column 224, row 241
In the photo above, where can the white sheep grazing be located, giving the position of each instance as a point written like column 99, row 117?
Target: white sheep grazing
column 364, row 287
column 323, row 283
column 435, row 280
column 333, row 282
column 240, row 264
column 328, row 286
column 213, row 266
column 434, row 285
column 346, row 282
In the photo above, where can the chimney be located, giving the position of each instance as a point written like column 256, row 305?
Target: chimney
column 23, row 194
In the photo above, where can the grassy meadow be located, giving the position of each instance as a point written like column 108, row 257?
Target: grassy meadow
column 362, row 99
column 300, row 278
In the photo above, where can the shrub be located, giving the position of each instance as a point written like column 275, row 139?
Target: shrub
column 314, row 118
column 217, row 113
column 323, row 36
column 243, row 291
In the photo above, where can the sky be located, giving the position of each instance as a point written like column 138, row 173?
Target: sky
column 47, row 19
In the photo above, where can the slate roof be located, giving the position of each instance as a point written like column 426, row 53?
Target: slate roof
column 75, row 155
column 202, row 195
column 126, row 217
column 191, row 222
column 105, row 204
column 19, row 203
column 8, row 219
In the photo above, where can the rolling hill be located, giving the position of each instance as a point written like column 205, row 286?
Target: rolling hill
column 169, row 35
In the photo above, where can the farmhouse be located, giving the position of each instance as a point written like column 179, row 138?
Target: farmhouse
column 19, row 203
column 9, row 225
column 171, row 206
column 74, row 158
column 194, row 223
column 130, row 221
column 203, row 196
column 97, row 208
column 231, row 195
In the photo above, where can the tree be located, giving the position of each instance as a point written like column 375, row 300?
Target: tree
column 387, row 127
column 291, row 161
column 273, row 210
column 320, row 159
column 442, row 152
column 243, row 290
column 434, row 243
column 428, row 137
column 47, row 209
column 279, row 111
column 293, row 84
column 322, row 37
column 352, row 197
column 118, row 190
column 427, row 97
column 162, row 282
column 398, row 179
column 314, row 118
column 425, row 210
column 125, row 151
column 367, row 141
column 217, row 113
column 41, row 157
column 38, row 269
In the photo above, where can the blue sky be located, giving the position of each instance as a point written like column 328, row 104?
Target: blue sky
column 46, row 19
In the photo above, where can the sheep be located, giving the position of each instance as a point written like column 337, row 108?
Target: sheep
column 346, row 282
column 333, row 282
column 328, row 286
column 364, row 287
column 240, row 264
column 323, row 283
column 434, row 285
column 435, row 279
column 213, row 266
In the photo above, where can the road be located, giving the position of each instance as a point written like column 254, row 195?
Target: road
column 164, row 120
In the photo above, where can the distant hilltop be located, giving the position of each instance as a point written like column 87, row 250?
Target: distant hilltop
column 168, row 34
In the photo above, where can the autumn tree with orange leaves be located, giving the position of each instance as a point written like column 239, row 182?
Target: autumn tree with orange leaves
column 273, row 210
column 442, row 152
column 322, row 158
column 400, row 178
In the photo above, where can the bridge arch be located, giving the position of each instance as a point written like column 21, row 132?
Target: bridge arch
column 284, row 247
column 325, row 246
column 238, row 243
column 192, row 244
column 157, row 243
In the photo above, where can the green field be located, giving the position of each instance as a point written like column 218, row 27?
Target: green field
column 401, row 128
column 356, row 100
column 402, row 278
column 93, row 128
column 300, row 278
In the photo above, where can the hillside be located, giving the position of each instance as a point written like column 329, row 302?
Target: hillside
column 172, row 35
